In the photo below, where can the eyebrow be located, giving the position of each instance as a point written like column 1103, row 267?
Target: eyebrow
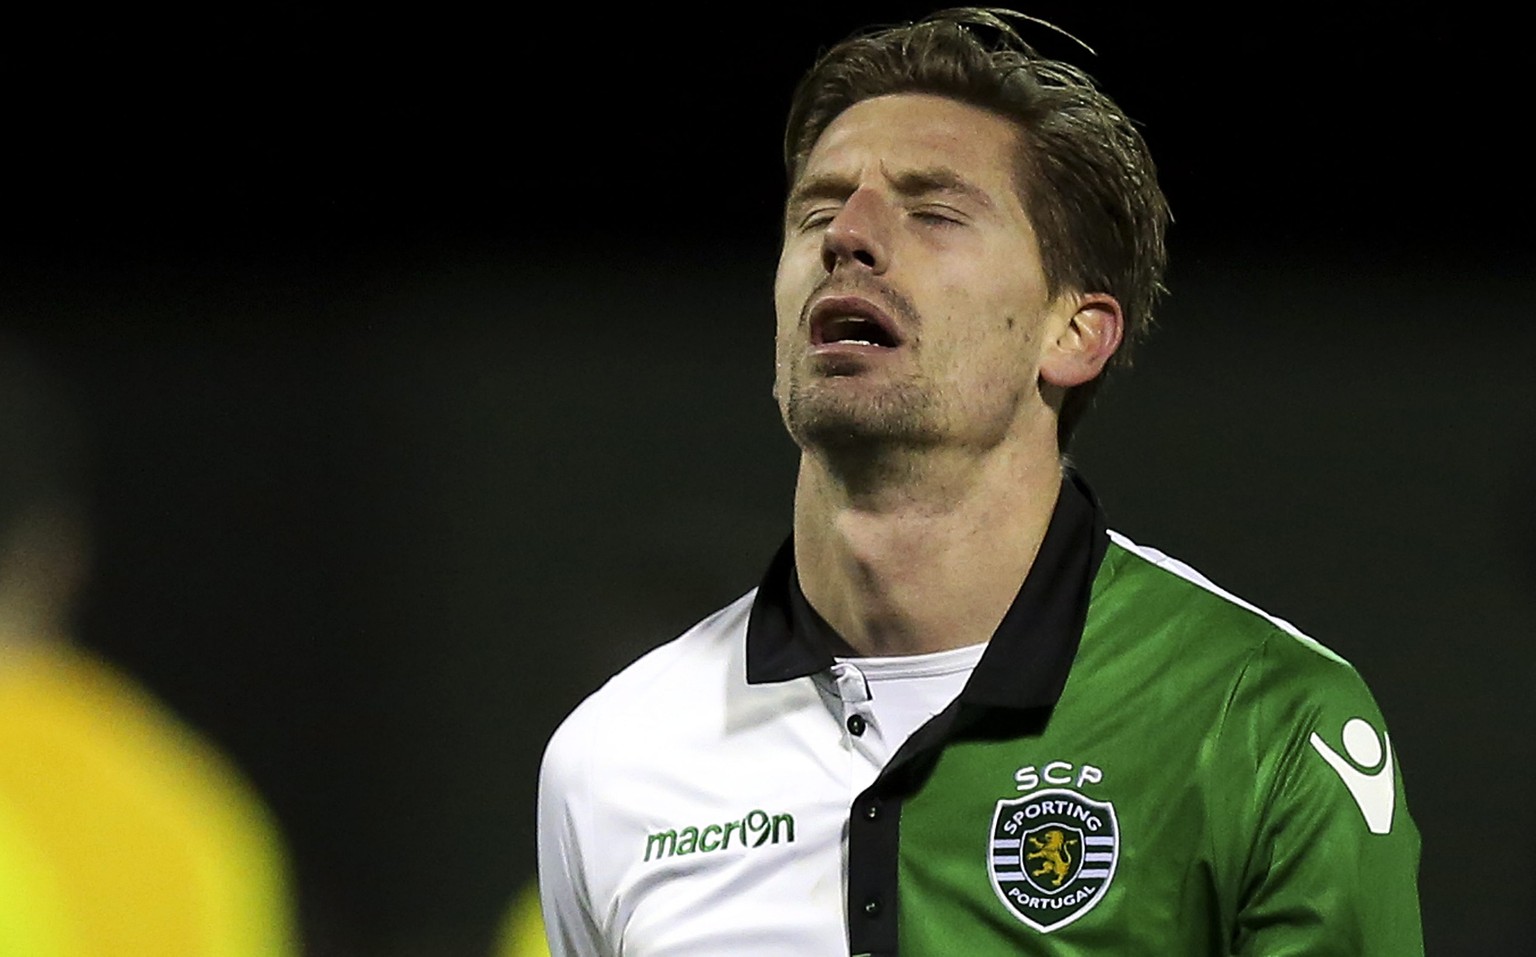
column 831, row 186
column 909, row 183
column 939, row 179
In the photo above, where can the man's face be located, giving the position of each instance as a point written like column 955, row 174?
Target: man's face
column 912, row 307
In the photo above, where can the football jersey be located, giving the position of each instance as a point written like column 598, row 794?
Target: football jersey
column 1140, row 763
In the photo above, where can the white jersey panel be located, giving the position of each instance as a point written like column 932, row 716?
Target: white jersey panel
column 725, row 809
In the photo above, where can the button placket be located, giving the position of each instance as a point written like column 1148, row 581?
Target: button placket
column 853, row 691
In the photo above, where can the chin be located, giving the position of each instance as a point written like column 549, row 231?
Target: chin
column 840, row 422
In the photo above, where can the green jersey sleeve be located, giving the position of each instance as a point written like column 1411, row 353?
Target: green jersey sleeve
column 1329, row 863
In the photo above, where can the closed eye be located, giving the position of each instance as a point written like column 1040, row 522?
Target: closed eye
column 941, row 215
column 817, row 218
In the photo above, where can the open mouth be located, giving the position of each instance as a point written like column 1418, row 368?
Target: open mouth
column 854, row 330
column 852, row 321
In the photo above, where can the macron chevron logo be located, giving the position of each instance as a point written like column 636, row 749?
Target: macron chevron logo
column 1367, row 772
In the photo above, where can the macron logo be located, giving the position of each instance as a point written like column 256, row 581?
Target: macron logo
column 1372, row 790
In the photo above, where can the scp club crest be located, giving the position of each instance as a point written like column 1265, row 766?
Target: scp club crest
column 1052, row 856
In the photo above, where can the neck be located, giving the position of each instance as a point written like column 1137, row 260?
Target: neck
column 921, row 553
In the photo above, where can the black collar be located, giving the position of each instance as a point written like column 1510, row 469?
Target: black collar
column 1027, row 661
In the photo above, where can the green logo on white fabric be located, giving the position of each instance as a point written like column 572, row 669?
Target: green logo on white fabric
column 1052, row 856
column 755, row 829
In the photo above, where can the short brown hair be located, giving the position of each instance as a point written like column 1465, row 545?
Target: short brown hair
column 1099, row 213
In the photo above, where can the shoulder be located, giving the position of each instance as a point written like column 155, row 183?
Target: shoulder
column 80, row 740
column 1281, row 697
column 1161, row 592
column 1289, row 723
column 1251, row 665
column 101, row 728
column 694, row 667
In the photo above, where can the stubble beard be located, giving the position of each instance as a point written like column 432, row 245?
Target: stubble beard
column 844, row 418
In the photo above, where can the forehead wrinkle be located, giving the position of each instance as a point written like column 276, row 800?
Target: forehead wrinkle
column 930, row 180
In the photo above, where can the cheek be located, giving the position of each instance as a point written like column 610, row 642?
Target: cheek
column 1013, row 313
column 781, row 303
column 790, row 291
column 995, row 337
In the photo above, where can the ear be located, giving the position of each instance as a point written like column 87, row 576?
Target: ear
column 1087, row 340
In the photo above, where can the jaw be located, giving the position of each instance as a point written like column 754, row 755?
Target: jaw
column 844, row 401
column 847, row 402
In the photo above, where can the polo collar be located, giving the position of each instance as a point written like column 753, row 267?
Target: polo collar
column 1028, row 658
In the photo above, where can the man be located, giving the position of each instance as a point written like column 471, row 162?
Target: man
column 959, row 716
column 121, row 830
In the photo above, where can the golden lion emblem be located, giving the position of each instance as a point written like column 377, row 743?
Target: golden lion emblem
column 1055, row 855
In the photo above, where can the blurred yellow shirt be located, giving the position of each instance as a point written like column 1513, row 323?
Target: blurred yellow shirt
column 522, row 932
column 121, row 831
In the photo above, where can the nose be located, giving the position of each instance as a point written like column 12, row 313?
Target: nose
column 858, row 236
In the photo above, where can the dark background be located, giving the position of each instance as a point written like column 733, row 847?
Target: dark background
column 427, row 360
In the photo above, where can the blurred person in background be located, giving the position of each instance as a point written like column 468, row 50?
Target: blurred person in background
column 122, row 832
column 522, row 928
column 959, row 715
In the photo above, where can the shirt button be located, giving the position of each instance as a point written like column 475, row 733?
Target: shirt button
column 872, row 907
column 856, row 724
column 871, row 811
